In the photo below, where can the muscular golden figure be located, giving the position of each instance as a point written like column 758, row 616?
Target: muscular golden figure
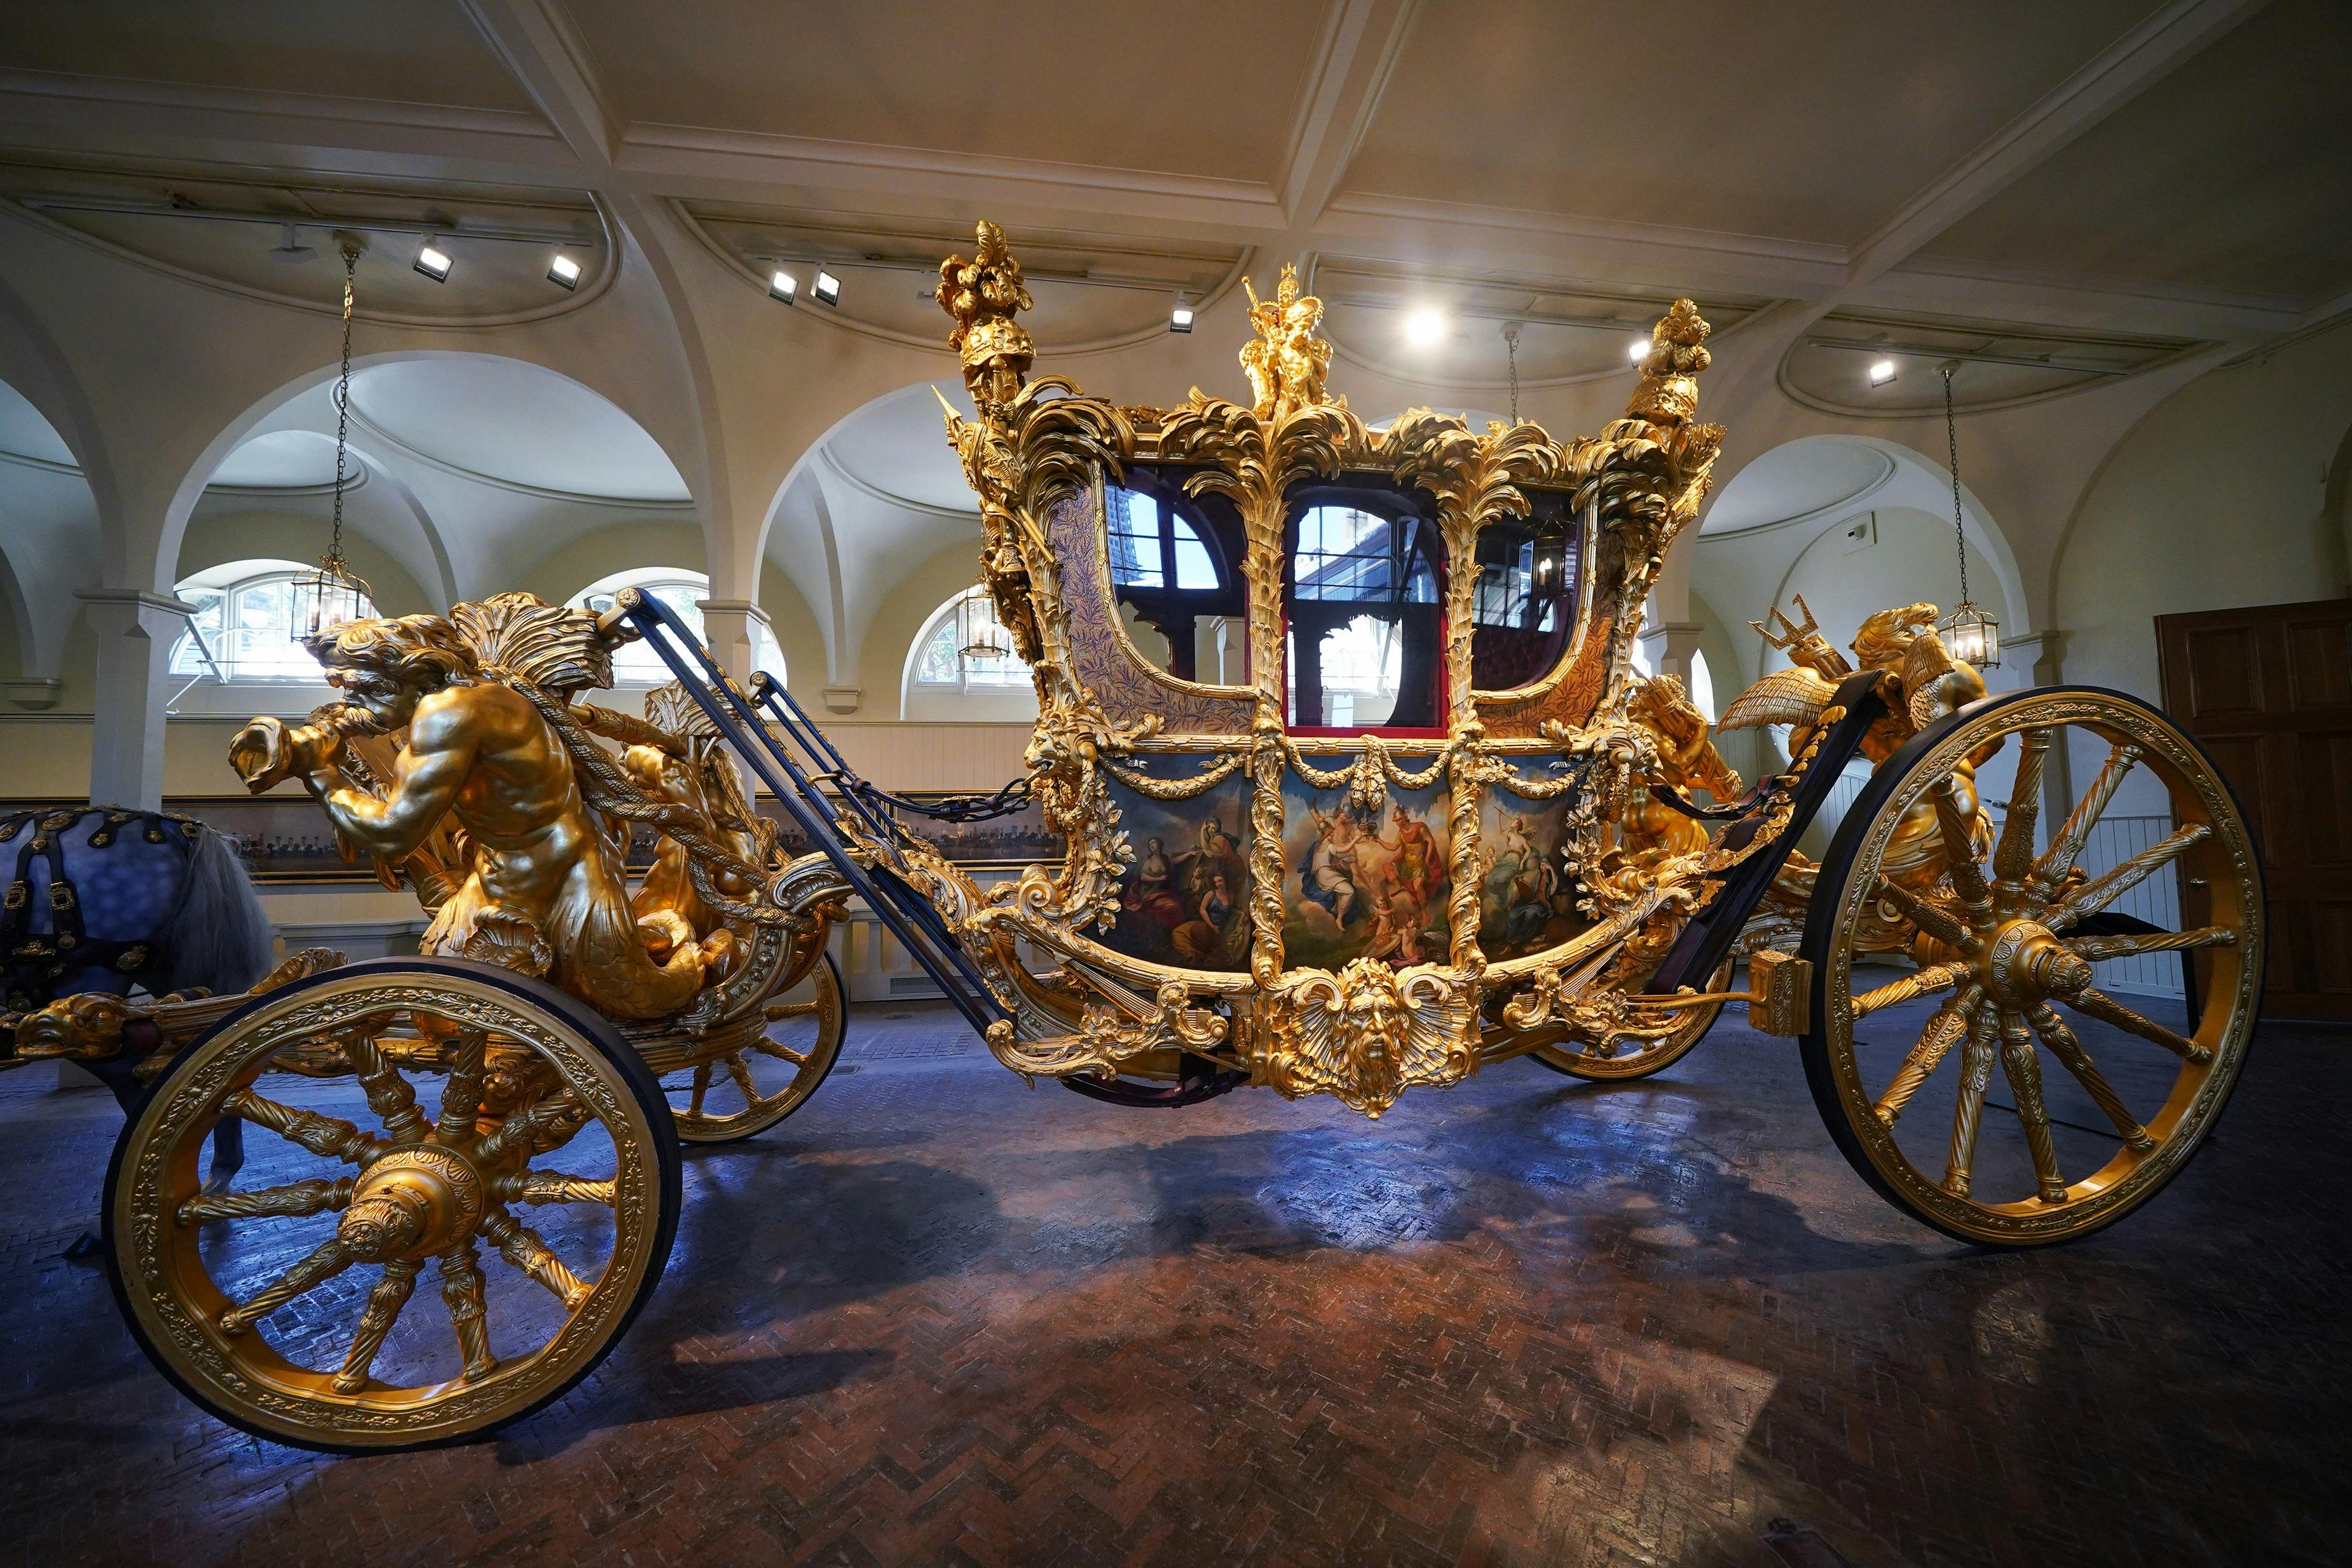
column 545, row 894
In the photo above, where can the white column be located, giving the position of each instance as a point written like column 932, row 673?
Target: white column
column 1671, row 645
column 135, row 631
column 726, row 624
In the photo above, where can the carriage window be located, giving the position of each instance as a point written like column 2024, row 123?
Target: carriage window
column 244, row 613
column 965, row 647
column 636, row 664
column 1146, row 540
column 1364, row 621
column 1180, row 606
column 1524, row 607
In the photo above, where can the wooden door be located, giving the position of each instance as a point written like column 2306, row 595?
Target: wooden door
column 2269, row 692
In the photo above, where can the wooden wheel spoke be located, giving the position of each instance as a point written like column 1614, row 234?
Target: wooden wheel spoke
column 327, row 1135
column 461, row 1292
column 2012, row 853
column 389, row 1096
column 1925, row 982
column 2068, row 1048
column 383, row 1304
column 2109, row 885
column 291, row 1200
column 2023, row 1068
column 2049, row 871
column 545, row 1124
column 461, row 1093
column 529, row 1251
column 767, row 1047
column 701, row 1090
column 1928, row 917
column 777, row 1012
column 2091, row 949
column 554, row 1186
column 1976, row 1058
column 1947, row 1024
column 1959, row 846
column 330, row 1258
column 2097, row 1004
column 740, row 1071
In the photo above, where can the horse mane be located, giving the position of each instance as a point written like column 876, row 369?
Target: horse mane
column 220, row 937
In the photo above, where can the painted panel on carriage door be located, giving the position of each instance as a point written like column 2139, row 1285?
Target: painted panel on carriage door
column 1185, row 898
column 1356, row 882
column 1526, row 899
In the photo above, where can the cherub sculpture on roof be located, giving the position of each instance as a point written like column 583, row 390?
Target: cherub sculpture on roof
column 1285, row 361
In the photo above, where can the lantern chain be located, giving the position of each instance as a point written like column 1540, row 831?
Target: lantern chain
column 343, row 409
column 1511, row 347
column 1952, row 449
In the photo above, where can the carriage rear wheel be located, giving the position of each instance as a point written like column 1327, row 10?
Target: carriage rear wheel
column 2106, row 1098
column 750, row 1089
column 284, row 1306
column 1612, row 1060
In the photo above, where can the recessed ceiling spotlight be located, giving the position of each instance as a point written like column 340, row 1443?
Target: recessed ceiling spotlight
column 784, row 286
column 828, row 287
column 1882, row 372
column 1180, row 318
column 563, row 271
column 1424, row 327
column 434, row 264
column 1638, row 350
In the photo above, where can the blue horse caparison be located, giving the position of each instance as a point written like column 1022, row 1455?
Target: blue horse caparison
column 99, row 898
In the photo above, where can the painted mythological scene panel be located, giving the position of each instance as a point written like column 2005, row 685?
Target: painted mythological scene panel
column 1526, row 901
column 1359, row 883
column 1185, row 899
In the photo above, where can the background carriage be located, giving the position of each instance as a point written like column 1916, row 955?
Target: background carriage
column 1500, row 857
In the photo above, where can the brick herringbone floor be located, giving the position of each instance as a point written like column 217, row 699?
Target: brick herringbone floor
column 940, row 1318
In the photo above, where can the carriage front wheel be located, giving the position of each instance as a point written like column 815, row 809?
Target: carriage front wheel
column 2005, row 1091
column 751, row 1088
column 286, row 1307
column 1611, row 1060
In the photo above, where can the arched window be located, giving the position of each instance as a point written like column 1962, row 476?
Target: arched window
column 244, row 613
column 956, row 649
column 1364, row 628
column 1152, row 547
column 636, row 664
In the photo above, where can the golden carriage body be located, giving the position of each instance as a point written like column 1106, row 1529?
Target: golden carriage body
column 1497, row 854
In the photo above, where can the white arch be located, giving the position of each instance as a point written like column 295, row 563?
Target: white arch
column 257, row 415
column 1903, row 477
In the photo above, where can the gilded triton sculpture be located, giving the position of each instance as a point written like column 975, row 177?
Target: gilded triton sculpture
column 1487, row 839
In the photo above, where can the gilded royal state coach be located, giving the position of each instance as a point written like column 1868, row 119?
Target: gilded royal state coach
column 1425, row 820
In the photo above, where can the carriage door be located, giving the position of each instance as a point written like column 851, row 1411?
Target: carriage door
column 2269, row 692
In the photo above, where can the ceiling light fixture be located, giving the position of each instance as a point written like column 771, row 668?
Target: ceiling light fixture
column 784, row 286
column 1638, row 350
column 1882, row 372
column 1180, row 318
column 434, row 264
column 563, row 271
column 290, row 248
column 828, row 287
column 331, row 593
column 1967, row 632
column 1424, row 327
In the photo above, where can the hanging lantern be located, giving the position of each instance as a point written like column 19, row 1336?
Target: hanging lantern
column 331, row 593
column 1968, row 634
column 980, row 645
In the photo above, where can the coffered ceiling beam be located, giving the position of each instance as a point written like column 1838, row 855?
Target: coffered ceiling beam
column 2111, row 80
column 1354, row 58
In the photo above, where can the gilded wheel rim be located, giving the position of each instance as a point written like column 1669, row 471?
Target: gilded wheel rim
column 1955, row 1117
column 1614, row 1060
column 259, row 1301
column 753, row 1085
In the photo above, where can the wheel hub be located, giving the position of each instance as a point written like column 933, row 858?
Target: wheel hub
column 411, row 1203
column 2024, row 961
